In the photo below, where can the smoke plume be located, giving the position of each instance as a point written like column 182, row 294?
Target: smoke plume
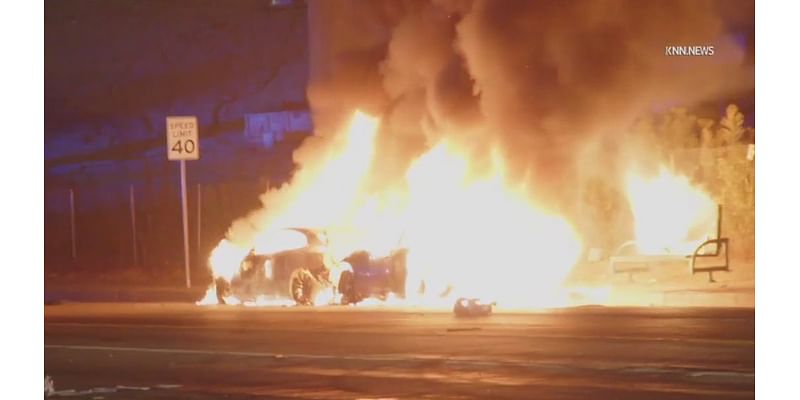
column 536, row 78
column 539, row 81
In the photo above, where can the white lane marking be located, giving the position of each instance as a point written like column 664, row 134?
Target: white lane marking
column 182, row 351
column 437, row 330
column 420, row 357
column 473, row 362
column 104, row 390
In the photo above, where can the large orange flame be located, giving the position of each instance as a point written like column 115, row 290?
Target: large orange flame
column 671, row 216
column 483, row 237
column 467, row 234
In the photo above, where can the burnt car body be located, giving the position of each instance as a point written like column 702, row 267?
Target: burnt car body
column 301, row 274
column 297, row 274
column 369, row 276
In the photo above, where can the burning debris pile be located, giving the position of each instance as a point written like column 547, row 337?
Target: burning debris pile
column 468, row 184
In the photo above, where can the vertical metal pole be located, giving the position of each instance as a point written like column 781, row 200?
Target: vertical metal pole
column 133, row 225
column 72, row 223
column 185, row 224
column 199, row 217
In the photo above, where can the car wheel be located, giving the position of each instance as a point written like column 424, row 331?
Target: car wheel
column 303, row 287
column 398, row 280
column 346, row 287
column 223, row 289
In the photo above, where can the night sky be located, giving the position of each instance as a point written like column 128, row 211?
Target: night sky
column 114, row 70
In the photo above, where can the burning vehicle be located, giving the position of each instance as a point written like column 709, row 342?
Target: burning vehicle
column 368, row 276
column 419, row 237
column 303, row 274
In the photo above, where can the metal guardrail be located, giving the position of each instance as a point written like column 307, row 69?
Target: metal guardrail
column 643, row 263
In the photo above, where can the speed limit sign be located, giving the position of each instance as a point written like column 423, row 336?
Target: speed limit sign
column 182, row 145
column 182, row 138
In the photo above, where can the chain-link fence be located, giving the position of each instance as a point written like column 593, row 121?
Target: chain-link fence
column 136, row 230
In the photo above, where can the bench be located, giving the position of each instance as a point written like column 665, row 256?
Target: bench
column 631, row 264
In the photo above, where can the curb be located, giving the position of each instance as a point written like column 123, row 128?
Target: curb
column 123, row 296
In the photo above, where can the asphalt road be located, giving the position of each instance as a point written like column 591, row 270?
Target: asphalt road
column 132, row 351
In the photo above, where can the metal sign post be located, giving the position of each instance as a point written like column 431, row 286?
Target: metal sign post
column 185, row 224
column 199, row 217
column 72, row 224
column 132, row 198
column 182, row 145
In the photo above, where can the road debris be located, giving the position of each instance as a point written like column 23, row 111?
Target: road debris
column 472, row 308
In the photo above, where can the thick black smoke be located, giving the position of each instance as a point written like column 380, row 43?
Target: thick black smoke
column 536, row 79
